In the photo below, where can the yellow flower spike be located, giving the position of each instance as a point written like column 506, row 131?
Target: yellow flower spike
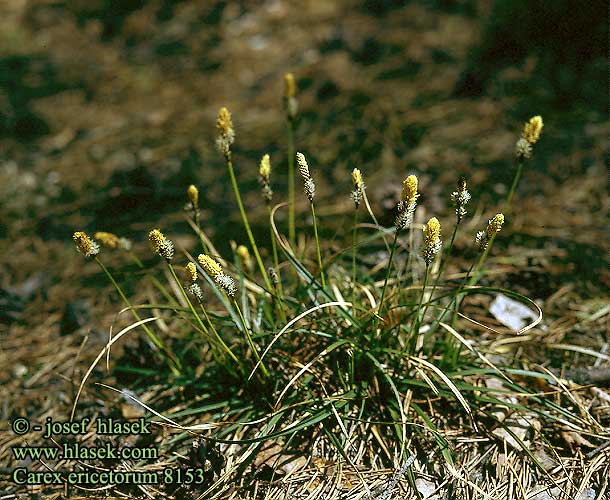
column 224, row 123
column 532, row 129
column 290, row 87
column 309, row 185
column 191, row 271
column 264, row 176
column 265, row 169
column 357, row 179
column 109, row 240
column 161, row 245
column 193, row 195
column 409, row 190
column 494, row 225
column 432, row 232
column 432, row 240
column 407, row 203
column 291, row 105
column 85, row 245
column 244, row 256
column 214, row 269
column 226, row 134
column 209, row 265
column 157, row 240
column 358, row 184
column 303, row 167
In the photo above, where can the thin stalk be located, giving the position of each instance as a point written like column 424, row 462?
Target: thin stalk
column 154, row 280
column 174, row 363
column 415, row 322
column 370, row 211
column 291, row 226
column 249, row 337
column 354, row 243
column 387, row 275
column 315, row 230
column 442, row 266
column 276, row 263
column 218, row 337
column 457, row 300
column 186, row 298
column 247, row 224
column 148, row 331
column 513, row 187
column 200, row 235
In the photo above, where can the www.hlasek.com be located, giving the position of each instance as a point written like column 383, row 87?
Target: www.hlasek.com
column 76, row 451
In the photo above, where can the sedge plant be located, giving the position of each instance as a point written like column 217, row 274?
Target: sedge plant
column 331, row 371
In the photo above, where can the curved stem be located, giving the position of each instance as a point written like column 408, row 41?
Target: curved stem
column 315, row 230
column 174, row 362
column 276, row 263
column 148, row 331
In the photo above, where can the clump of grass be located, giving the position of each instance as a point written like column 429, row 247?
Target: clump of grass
column 295, row 362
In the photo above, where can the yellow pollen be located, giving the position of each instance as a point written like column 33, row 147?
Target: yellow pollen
column 265, row 168
column 193, row 194
column 303, row 167
column 107, row 239
column 533, row 129
column 495, row 225
column 432, row 232
column 157, row 240
column 209, row 265
column 191, row 271
column 84, row 244
column 409, row 190
column 289, row 85
column 357, row 178
column 224, row 123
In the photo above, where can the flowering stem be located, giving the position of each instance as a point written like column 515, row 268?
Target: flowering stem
column 509, row 198
column 387, row 275
column 415, row 322
column 200, row 235
column 291, row 226
column 152, row 336
column 276, row 263
column 197, row 317
column 457, row 301
column 249, row 337
column 218, row 337
column 354, row 242
column 175, row 364
column 247, row 224
column 442, row 266
column 315, row 231
column 186, row 298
